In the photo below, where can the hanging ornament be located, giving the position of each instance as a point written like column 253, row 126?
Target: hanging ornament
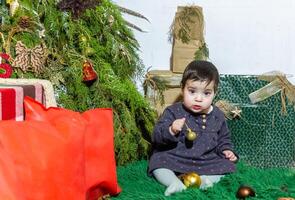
column 26, row 58
column 41, row 31
column 5, row 66
column 229, row 110
column 83, row 39
column 13, row 6
column 190, row 135
column 191, row 179
column 89, row 51
column 236, row 112
column 5, row 56
column 89, row 74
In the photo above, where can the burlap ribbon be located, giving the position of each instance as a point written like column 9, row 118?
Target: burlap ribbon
column 278, row 83
column 34, row 58
column 230, row 110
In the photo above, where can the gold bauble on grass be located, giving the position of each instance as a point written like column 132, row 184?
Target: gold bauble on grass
column 191, row 179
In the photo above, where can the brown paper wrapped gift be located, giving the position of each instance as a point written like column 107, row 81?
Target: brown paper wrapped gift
column 172, row 93
column 195, row 21
column 183, row 52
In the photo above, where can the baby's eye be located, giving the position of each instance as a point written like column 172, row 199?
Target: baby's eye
column 207, row 93
column 192, row 91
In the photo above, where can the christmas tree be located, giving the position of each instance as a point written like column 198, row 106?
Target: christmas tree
column 54, row 40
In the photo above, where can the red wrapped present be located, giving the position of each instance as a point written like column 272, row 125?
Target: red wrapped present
column 47, row 87
column 11, row 103
column 12, row 96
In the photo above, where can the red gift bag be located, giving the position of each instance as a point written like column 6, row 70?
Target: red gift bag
column 60, row 154
column 10, row 187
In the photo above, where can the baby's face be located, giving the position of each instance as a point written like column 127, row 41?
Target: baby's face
column 198, row 95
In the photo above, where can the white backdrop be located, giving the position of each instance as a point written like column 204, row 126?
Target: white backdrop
column 243, row 36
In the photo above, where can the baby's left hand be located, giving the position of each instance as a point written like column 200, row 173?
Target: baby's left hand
column 230, row 155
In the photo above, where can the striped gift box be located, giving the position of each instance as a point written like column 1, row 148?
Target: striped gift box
column 12, row 99
column 48, row 91
column 11, row 103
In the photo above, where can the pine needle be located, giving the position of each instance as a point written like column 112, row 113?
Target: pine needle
column 134, row 26
column 133, row 13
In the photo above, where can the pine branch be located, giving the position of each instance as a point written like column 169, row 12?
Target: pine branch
column 131, row 12
column 134, row 26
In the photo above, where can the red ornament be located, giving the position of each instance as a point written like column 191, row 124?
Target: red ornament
column 89, row 74
column 5, row 66
column 245, row 192
column 4, row 56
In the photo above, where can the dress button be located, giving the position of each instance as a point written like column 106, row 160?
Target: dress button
column 203, row 127
column 204, row 120
column 204, row 116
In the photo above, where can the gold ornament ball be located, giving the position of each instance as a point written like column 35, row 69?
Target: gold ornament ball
column 89, row 51
column 190, row 135
column 83, row 38
column 191, row 179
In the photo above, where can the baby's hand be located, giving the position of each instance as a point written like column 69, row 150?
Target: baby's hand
column 176, row 126
column 230, row 155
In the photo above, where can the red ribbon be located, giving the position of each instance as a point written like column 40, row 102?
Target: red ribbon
column 5, row 66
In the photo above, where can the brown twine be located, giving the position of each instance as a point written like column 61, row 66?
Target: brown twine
column 11, row 33
column 226, row 107
column 283, row 100
column 149, row 81
column 2, row 37
column 287, row 92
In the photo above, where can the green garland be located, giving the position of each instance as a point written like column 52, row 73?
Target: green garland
column 110, row 46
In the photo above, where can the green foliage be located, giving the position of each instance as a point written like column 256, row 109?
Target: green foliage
column 111, row 47
column 158, row 86
column 184, row 21
column 202, row 53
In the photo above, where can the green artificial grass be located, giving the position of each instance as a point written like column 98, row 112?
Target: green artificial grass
column 268, row 184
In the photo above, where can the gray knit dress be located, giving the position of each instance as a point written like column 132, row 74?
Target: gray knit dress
column 203, row 155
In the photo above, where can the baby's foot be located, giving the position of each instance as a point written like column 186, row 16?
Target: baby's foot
column 206, row 183
column 174, row 187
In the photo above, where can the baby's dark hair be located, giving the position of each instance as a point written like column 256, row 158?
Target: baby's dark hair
column 200, row 70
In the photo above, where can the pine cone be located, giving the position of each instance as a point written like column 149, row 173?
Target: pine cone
column 24, row 22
